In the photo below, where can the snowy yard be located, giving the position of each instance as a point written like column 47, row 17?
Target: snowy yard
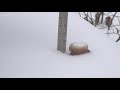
column 28, row 47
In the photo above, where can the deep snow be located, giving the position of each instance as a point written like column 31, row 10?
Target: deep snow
column 28, row 47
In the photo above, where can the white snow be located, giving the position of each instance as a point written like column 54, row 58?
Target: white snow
column 28, row 48
column 80, row 44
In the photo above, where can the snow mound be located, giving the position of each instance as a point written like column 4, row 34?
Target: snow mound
column 80, row 44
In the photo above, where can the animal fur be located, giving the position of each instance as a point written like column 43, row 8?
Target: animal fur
column 74, row 50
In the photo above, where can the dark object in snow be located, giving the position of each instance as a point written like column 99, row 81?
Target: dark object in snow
column 97, row 17
column 108, row 21
column 78, row 48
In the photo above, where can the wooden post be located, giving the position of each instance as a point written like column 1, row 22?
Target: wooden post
column 62, row 31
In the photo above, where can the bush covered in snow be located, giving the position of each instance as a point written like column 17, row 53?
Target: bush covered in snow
column 109, row 22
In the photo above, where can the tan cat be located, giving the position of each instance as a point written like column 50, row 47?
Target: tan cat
column 78, row 48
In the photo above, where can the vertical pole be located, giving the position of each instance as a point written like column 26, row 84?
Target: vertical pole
column 62, row 31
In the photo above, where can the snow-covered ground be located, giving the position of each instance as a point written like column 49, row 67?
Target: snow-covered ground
column 28, row 47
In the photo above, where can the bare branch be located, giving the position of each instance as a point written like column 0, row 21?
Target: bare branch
column 102, row 13
column 113, row 17
column 113, row 29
